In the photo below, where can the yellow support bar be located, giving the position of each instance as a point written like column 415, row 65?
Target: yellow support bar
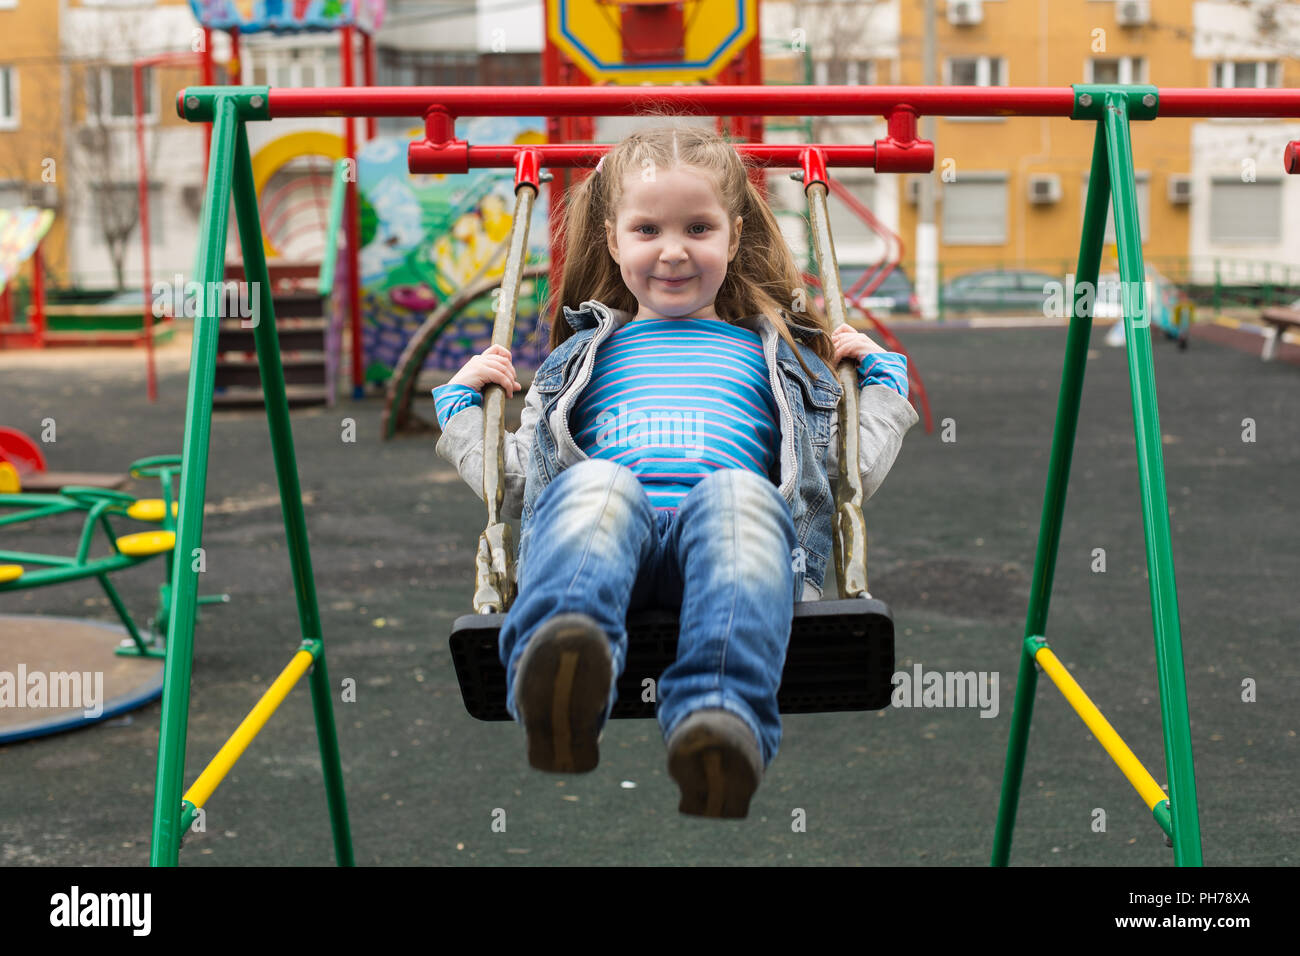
column 234, row 748
column 1142, row 781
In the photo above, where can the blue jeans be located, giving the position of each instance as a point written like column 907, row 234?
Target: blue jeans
column 596, row 546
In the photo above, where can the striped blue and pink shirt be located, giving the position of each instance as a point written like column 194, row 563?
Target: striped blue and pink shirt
column 677, row 399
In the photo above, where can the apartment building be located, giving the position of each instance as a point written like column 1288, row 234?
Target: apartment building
column 32, row 137
column 67, row 131
column 1013, row 191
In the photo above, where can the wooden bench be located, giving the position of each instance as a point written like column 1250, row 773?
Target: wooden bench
column 1279, row 320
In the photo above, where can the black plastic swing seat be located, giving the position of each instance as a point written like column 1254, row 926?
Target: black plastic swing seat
column 840, row 658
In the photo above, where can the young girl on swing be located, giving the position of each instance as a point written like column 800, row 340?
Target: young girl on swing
column 677, row 448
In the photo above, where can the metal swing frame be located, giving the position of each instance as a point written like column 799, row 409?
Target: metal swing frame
column 229, row 108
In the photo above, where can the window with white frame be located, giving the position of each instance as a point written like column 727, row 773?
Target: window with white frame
column 844, row 72
column 975, row 210
column 1116, row 69
column 1246, row 74
column 300, row 66
column 975, row 71
column 111, row 93
column 8, row 97
column 1245, row 212
column 1143, row 183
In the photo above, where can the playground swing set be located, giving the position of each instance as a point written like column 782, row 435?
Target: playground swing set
column 841, row 650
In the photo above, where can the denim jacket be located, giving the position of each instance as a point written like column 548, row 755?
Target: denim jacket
column 544, row 446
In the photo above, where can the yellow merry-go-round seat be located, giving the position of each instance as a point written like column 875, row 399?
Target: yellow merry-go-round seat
column 149, row 509
column 146, row 543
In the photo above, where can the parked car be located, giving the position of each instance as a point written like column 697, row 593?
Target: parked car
column 894, row 295
column 999, row 290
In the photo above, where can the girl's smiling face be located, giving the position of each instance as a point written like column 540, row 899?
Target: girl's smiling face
column 673, row 228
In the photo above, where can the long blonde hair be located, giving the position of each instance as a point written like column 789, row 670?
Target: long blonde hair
column 761, row 279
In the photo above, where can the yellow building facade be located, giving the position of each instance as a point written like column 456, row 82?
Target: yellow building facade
column 32, row 139
column 984, row 211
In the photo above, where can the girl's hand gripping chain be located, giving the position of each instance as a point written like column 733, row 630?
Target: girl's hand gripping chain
column 493, row 365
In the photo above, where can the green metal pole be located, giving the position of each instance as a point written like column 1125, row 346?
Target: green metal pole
column 165, row 849
column 1058, row 475
column 120, row 606
column 286, row 470
column 1155, row 503
column 338, row 190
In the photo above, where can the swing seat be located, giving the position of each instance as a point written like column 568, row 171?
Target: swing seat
column 841, row 658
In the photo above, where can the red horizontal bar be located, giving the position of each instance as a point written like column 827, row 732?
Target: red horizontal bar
column 1261, row 104
column 426, row 158
column 751, row 101
column 698, row 100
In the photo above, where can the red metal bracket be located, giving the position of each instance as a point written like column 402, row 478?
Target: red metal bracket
column 902, row 152
column 440, row 149
column 528, row 169
column 1291, row 157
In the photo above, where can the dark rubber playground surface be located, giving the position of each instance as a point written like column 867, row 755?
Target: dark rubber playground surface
column 953, row 530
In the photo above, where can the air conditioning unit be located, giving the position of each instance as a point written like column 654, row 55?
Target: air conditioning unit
column 912, row 188
column 1180, row 190
column 43, row 195
column 1132, row 13
column 965, row 13
column 1044, row 188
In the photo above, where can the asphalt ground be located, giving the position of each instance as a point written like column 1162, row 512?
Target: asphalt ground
column 393, row 532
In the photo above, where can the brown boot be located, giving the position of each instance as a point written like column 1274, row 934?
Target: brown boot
column 713, row 756
column 561, row 690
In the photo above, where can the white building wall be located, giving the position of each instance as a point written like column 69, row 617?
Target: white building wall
column 510, row 27
column 1240, row 148
column 119, row 36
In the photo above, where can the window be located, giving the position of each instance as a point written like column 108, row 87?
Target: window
column 975, row 71
column 1116, row 69
column 12, row 195
column 111, row 94
column 1246, row 212
column 844, row 73
column 450, row 68
column 1143, row 183
column 510, row 69
column 1246, row 74
column 426, row 68
column 8, row 97
column 299, row 67
column 975, row 210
